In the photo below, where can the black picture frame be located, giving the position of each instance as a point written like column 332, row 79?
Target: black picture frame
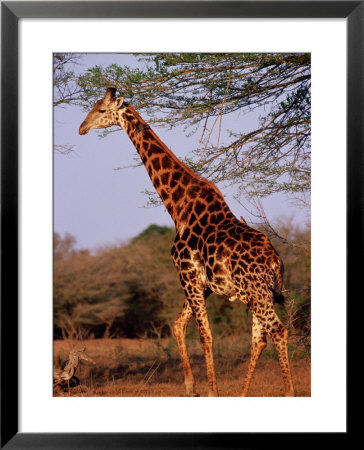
column 11, row 12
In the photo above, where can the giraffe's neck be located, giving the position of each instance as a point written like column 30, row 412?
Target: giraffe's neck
column 171, row 178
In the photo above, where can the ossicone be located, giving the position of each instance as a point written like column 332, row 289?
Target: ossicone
column 110, row 92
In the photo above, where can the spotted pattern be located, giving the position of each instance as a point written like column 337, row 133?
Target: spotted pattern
column 213, row 251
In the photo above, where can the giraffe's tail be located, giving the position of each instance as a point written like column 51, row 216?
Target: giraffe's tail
column 278, row 297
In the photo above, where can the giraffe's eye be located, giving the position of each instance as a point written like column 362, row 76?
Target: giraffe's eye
column 102, row 111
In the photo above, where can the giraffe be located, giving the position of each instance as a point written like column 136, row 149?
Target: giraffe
column 213, row 251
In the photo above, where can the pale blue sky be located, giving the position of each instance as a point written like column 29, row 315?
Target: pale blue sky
column 102, row 206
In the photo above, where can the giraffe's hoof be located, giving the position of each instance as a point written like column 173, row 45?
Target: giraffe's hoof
column 289, row 394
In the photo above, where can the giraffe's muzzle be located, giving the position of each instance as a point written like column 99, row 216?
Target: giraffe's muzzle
column 83, row 128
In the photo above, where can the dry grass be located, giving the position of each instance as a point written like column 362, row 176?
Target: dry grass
column 151, row 368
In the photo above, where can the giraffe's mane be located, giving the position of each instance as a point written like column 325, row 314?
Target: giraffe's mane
column 169, row 152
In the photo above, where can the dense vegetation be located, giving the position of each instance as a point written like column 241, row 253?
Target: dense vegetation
column 133, row 290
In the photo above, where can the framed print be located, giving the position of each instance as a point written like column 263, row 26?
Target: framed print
column 42, row 201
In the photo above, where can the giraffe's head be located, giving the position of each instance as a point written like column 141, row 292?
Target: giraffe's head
column 105, row 113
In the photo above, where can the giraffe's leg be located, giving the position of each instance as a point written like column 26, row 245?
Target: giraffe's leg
column 279, row 334
column 198, row 306
column 179, row 329
column 259, row 342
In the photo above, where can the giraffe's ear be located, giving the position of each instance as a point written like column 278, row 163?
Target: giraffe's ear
column 120, row 102
column 110, row 93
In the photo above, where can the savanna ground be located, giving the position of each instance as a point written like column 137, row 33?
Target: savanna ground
column 152, row 368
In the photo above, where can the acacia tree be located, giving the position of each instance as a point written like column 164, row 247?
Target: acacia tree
column 201, row 91
column 66, row 90
column 65, row 87
column 251, row 112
